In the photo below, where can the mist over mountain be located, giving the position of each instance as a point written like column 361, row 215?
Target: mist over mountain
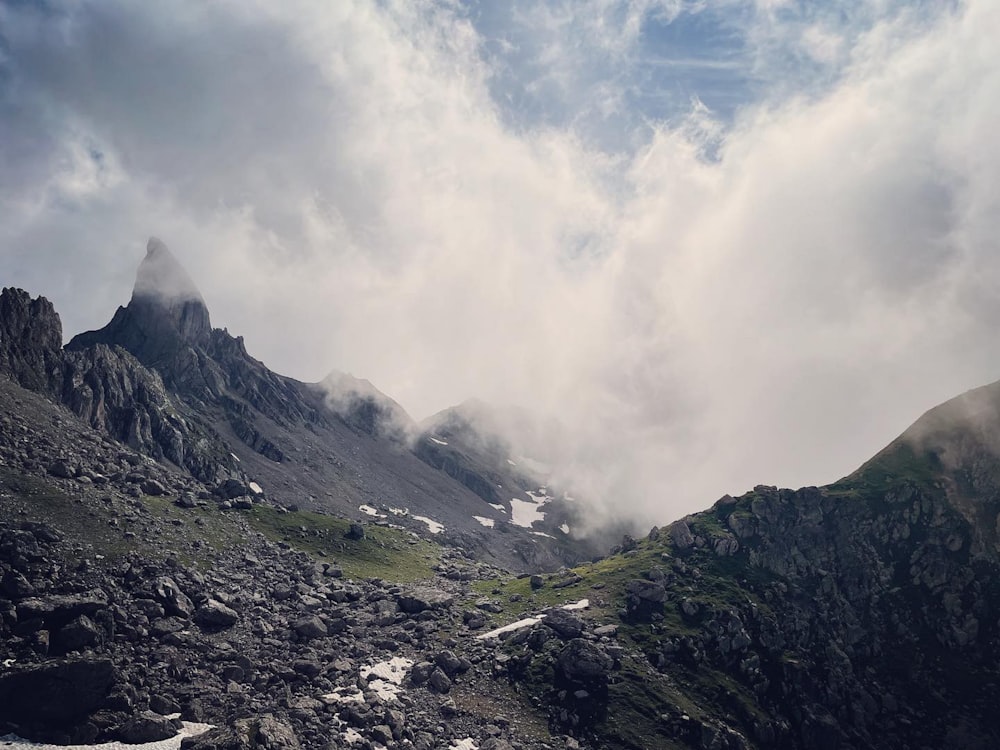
column 199, row 551
column 679, row 229
column 463, row 402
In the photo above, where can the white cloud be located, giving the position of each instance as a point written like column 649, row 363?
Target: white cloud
column 764, row 301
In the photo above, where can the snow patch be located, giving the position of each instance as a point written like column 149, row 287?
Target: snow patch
column 400, row 511
column 526, row 512
column 540, row 496
column 235, row 456
column 497, row 506
column 526, row 622
column 370, row 511
column 542, row 533
column 564, row 528
column 439, row 442
column 487, row 522
column 529, row 621
column 190, row 729
column 386, row 677
column 256, row 488
column 466, row 744
column 511, row 462
column 344, row 695
column 432, row 526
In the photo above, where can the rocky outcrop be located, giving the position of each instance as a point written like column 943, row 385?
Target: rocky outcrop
column 165, row 316
column 30, row 340
column 73, row 690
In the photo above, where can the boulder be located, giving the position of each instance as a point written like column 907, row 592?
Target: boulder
column 78, row 635
column 56, row 611
column 215, row 615
column 644, row 599
column 421, row 598
column 148, row 727
column 72, row 690
column 310, row 627
column 61, row 469
column 260, row 733
column 438, row 681
column 565, row 623
column 175, row 602
column 680, row 535
column 584, row 663
column 153, row 487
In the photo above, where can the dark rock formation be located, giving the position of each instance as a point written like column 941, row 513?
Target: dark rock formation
column 55, row 698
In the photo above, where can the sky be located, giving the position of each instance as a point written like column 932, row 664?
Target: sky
column 725, row 242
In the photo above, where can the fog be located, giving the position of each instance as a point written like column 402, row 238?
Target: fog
column 705, row 296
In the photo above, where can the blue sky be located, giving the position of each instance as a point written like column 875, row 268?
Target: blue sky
column 726, row 242
column 609, row 93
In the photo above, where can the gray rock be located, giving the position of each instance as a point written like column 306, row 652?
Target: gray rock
column 73, row 690
column 215, row 614
column 649, row 591
column 175, row 602
column 310, row 627
column 421, row 598
column 564, row 623
column 438, row 681
column 61, row 469
column 421, row 672
column 153, row 487
column 78, row 635
column 261, row 733
column 584, row 663
column 680, row 535
column 452, row 664
column 381, row 734
column 163, row 705
column 62, row 608
column 147, row 727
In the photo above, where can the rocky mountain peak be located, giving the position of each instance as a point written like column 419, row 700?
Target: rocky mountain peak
column 166, row 294
column 160, row 275
column 165, row 315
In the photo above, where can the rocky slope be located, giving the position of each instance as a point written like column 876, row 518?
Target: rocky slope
column 142, row 577
column 161, row 380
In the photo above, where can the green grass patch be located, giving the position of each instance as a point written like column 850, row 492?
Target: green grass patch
column 897, row 463
column 41, row 500
column 389, row 554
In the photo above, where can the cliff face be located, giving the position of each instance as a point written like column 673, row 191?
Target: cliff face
column 106, row 387
column 30, row 340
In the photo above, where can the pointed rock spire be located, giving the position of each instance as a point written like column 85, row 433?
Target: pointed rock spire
column 166, row 297
column 166, row 313
column 160, row 275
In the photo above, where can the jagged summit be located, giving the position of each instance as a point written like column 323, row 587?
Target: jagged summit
column 165, row 290
column 166, row 312
column 160, row 275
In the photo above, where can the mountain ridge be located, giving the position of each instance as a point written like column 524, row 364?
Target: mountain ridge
column 209, row 407
column 143, row 551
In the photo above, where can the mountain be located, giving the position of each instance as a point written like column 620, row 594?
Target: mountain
column 336, row 446
column 504, row 455
column 142, row 575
